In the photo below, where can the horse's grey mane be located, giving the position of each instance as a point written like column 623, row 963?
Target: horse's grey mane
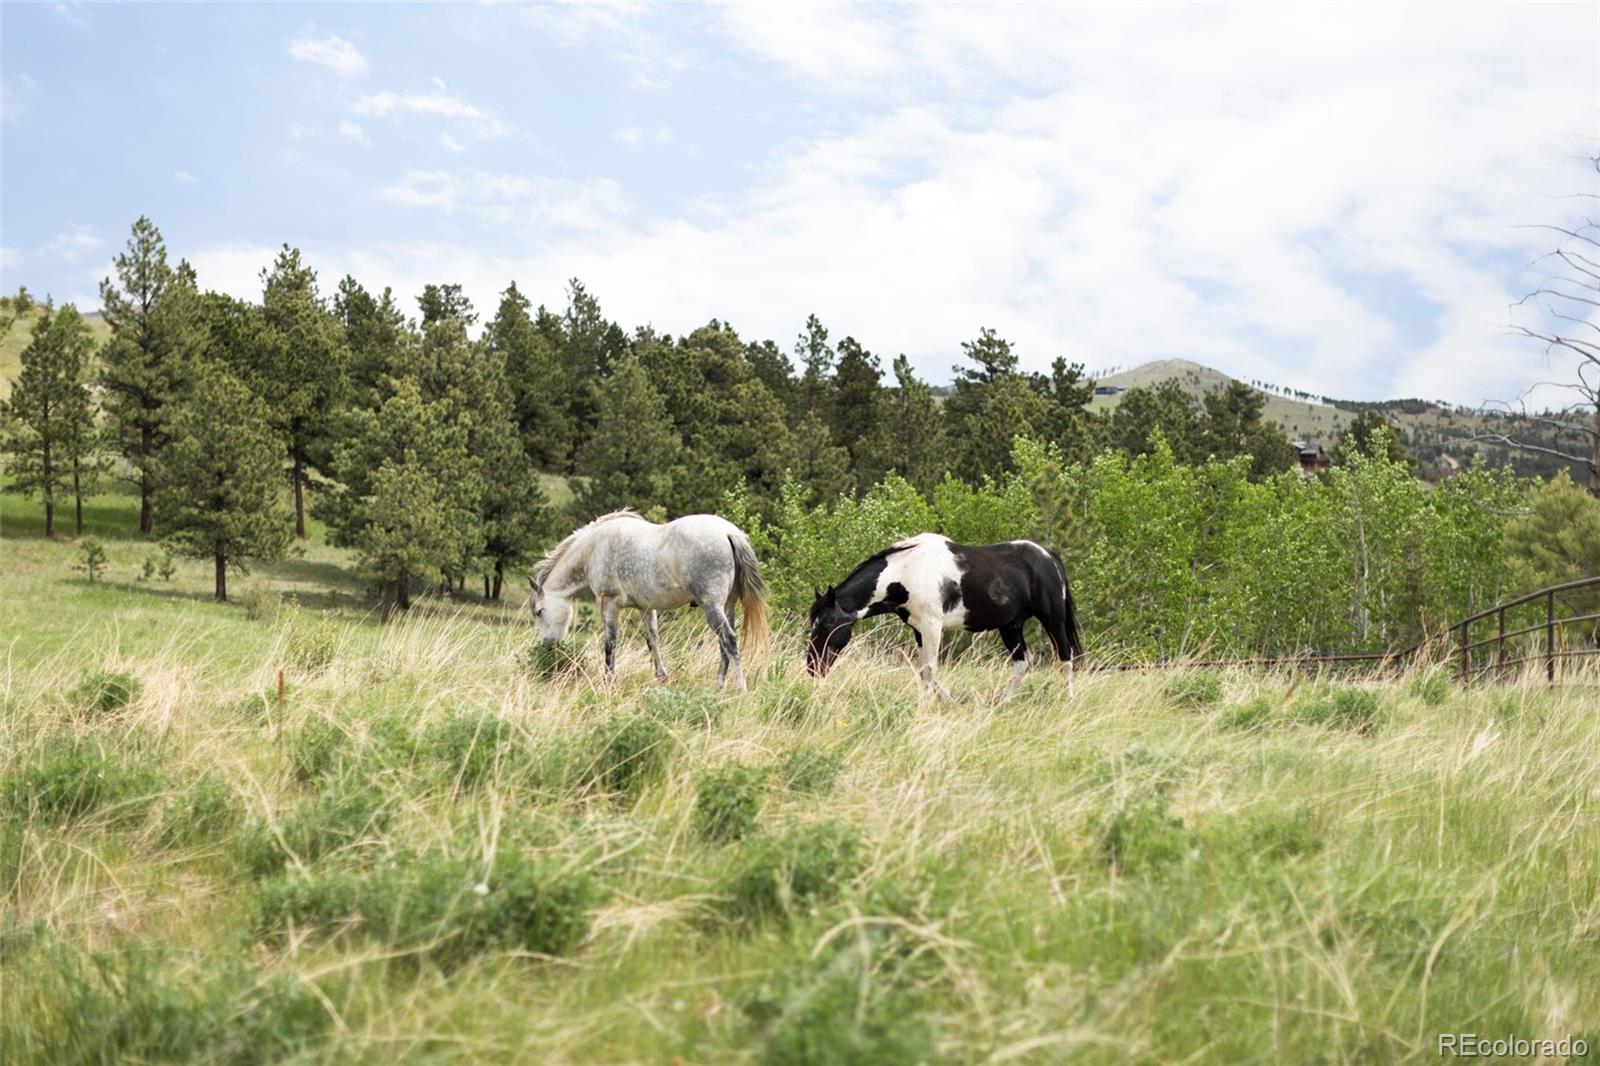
column 553, row 556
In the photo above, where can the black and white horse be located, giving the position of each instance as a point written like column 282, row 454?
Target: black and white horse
column 934, row 584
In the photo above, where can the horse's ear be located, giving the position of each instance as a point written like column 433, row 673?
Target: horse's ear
column 532, row 584
column 816, row 593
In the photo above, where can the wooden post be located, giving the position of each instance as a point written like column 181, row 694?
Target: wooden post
column 1500, row 659
column 1550, row 636
column 280, row 688
column 1466, row 657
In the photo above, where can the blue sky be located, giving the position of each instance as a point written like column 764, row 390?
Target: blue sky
column 1325, row 196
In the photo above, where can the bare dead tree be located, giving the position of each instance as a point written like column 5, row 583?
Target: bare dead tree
column 1565, row 313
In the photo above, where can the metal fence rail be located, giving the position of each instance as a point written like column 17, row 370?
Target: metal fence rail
column 1460, row 631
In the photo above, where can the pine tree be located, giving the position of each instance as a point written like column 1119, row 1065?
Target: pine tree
column 589, row 344
column 303, row 375
column 51, row 435
column 156, row 331
column 441, row 303
column 219, row 477
column 374, row 333
column 856, row 410
column 1370, row 434
column 634, row 456
column 513, row 511
column 538, row 382
column 816, row 360
column 1234, row 426
column 910, row 435
column 407, row 491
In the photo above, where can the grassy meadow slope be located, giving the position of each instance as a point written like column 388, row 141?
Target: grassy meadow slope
column 440, row 846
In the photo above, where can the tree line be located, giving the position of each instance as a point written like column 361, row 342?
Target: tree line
column 422, row 445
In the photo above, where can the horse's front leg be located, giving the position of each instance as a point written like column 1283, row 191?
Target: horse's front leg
column 609, row 610
column 929, row 635
column 652, row 640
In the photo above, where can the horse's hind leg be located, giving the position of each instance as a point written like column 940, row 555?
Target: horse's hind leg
column 652, row 640
column 1018, row 648
column 717, row 619
column 929, row 636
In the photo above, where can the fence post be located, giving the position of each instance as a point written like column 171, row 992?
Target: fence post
column 1466, row 657
column 1500, row 658
column 1550, row 636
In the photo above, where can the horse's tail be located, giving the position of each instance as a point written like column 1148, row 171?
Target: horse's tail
column 752, row 593
column 1074, row 645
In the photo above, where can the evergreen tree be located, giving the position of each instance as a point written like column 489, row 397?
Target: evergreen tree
column 856, row 410
column 220, row 476
column 816, row 360
column 156, row 330
column 441, row 303
column 992, row 403
column 777, row 374
column 50, row 415
column 1234, row 426
column 1069, row 424
column 634, row 456
column 407, row 492
column 374, row 334
column 513, row 511
column 300, row 369
column 537, row 380
column 910, row 439
column 589, row 344
column 1362, row 437
column 1167, row 406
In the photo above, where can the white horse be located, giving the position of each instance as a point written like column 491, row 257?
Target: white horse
column 628, row 561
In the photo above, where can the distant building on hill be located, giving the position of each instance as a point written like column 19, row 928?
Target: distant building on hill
column 1109, row 390
column 1313, row 460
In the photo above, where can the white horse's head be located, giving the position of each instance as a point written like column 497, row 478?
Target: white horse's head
column 551, row 613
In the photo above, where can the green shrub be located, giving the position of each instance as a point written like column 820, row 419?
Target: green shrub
column 316, row 749
column 847, row 1008
column 468, row 748
column 1355, row 709
column 629, row 752
column 67, row 778
column 1141, row 835
column 311, row 642
column 91, row 558
column 726, row 803
column 551, row 662
column 807, row 864
column 808, row 769
column 1247, row 716
column 445, row 909
column 204, row 812
column 261, row 602
column 692, row 710
column 134, row 1005
column 336, row 819
column 1432, row 688
column 106, row 691
column 1194, row 688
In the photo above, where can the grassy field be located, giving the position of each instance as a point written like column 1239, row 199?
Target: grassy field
column 441, row 846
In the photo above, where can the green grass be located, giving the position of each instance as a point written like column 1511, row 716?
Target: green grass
column 429, row 851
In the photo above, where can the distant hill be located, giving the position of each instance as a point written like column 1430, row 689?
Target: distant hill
column 1431, row 430
column 16, row 338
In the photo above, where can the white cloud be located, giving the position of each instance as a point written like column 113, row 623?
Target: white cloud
column 634, row 135
column 183, row 177
column 531, row 203
column 623, row 31
column 71, row 12
column 437, row 104
column 300, row 132
column 73, row 244
column 16, row 97
column 333, row 52
column 11, row 258
column 450, row 144
column 353, row 131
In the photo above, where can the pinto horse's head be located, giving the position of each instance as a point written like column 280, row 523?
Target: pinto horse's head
column 830, row 632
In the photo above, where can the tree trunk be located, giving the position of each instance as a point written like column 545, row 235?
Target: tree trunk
column 1594, row 455
column 49, row 517
column 299, row 477
column 77, row 495
column 49, row 493
column 403, row 592
column 222, row 577
column 147, row 521
column 499, row 579
column 386, row 603
column 486, row 586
